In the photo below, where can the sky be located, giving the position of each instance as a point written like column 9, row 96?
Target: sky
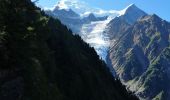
column 159, row 7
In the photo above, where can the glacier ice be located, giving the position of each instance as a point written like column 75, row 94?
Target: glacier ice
column 93, row 33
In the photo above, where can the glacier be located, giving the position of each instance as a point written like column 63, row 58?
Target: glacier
column 94, row 34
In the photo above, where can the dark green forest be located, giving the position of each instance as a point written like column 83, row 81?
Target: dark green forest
column 40, row 59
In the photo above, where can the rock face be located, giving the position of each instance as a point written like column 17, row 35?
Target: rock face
column 141, row 57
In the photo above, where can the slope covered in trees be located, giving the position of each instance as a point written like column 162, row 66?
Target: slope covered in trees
column 40, row 59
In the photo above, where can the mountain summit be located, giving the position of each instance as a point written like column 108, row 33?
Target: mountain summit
column 132, row 13
column 128, row 17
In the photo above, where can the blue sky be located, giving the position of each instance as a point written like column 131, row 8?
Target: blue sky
column 159, row 7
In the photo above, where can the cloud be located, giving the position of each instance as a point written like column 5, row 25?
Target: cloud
column 62, row 4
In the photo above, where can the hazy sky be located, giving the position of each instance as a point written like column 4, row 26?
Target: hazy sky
column 159, row 7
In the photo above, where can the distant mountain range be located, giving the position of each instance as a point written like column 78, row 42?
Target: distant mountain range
column 134, row 44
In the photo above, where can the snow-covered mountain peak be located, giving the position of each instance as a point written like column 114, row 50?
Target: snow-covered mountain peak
column 132, row 13
column 132, row 8
column 122, row 12
column 84, row 9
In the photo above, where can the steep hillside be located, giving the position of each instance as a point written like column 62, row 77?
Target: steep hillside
column 40, row 59
column 141, row 57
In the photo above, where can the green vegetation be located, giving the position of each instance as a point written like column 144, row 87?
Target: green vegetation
column 159, row 96
column 40, row 59
column 155, row 37
column 156, row 76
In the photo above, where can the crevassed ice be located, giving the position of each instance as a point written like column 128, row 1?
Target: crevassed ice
column 93, row 33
